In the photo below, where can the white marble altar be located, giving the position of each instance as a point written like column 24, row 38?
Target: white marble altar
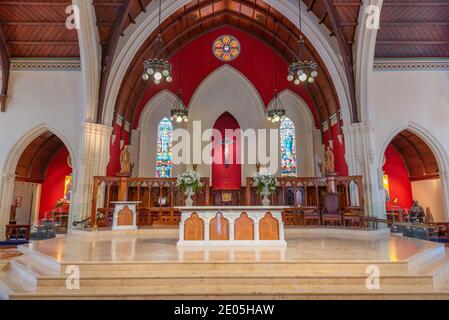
column 251, row 232
column 118, row 209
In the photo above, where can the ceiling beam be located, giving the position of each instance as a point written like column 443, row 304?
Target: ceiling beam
column 108, row 54
column 346, row 52
column 5, row 65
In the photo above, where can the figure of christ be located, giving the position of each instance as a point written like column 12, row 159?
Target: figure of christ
column 226, row 143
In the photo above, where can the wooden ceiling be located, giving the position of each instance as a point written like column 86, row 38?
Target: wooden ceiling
column 37, row 28
column 253, row 16
column 413, row 28
column 35, row 158
column 417, row 155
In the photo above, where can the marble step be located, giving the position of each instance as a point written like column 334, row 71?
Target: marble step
column 237, row 292
column 286, row 268
column 247, row 280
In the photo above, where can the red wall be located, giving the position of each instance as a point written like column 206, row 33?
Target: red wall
column 226, row 178
column 400, row 185
column 53, row 185
column 258, row 62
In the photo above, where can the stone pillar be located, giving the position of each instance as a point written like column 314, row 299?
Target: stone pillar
column 6, row 194
column 92, row 160
column 362, row 160
column 444, row 180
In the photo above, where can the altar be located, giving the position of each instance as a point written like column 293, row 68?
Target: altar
column 237, row 226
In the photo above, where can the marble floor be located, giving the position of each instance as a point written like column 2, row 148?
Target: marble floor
column 160, row 246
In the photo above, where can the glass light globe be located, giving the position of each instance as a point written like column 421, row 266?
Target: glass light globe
column 157, row 81
column 150, row 71
column 171, row 118
column 276, row 118
column 273, row 121
column 165, row 72
column 303, row 77
column 145, row 76
column 186, row 119
column 169, row 79
column 314, row 74
column 158, row 76
column 179, row 119
column 290, row 77
column 269, row 118
column 311, row 80
column 300, row 72
column 297, row 82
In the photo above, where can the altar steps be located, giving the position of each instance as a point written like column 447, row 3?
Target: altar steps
column 36, row 276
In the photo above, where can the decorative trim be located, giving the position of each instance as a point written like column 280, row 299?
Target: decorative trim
column 411, row 65
column 46, row 65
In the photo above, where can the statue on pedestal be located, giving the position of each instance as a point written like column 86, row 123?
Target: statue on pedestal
column 329, row 161
column 125, row 161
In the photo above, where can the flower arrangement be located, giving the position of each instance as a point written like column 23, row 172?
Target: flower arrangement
column 266, row 183
column 189, row 180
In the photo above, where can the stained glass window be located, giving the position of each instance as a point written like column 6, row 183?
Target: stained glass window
column 226, row 48
column 164, row 149
column 288, row 148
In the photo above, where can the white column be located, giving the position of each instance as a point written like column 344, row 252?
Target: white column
column 256, row 230
column 206, row 228
column 92, row 161
column 363, row 159
column 90, row 54
column 444, row 180
column 6, row 194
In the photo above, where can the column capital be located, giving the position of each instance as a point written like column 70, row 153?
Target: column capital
column 96, row 129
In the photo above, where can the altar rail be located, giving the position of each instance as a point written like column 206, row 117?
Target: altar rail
column 160, row 197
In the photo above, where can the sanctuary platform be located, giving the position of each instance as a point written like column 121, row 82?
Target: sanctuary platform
column 318, row 263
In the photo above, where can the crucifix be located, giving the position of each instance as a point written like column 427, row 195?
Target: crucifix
column 226, row 143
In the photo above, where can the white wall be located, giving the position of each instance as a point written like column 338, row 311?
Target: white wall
column 429, row 194
column 37, row 97
column 415, row 100
column 37, row 100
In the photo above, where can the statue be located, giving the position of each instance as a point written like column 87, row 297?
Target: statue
column 416, row 213
column 125, row 161
column 330, row 163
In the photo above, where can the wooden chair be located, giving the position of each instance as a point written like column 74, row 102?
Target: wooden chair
column 311, row 216
column 331, row 212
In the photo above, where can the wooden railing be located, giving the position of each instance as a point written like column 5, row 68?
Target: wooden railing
column 157, row 195
column 308, row 192
column 291, row 192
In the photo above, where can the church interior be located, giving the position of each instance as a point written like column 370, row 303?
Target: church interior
column 216, row 149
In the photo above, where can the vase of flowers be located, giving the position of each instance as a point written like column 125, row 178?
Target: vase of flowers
column 189, row 182
column 266, row 185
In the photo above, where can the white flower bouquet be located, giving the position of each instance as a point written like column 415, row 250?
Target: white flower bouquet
column 189, row 180
column 266, row 183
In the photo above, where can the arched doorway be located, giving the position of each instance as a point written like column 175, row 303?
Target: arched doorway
column 411, row 173
column 43, row 183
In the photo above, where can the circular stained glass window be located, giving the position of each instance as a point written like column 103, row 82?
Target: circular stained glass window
column 226, row 48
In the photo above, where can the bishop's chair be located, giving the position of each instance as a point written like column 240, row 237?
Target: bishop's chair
column 331, row 212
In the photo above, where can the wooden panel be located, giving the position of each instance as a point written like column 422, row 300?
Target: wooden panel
column 125, row 217
column 244, row 228
column 268, row 228
column 219, row 228
column 194, row 228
